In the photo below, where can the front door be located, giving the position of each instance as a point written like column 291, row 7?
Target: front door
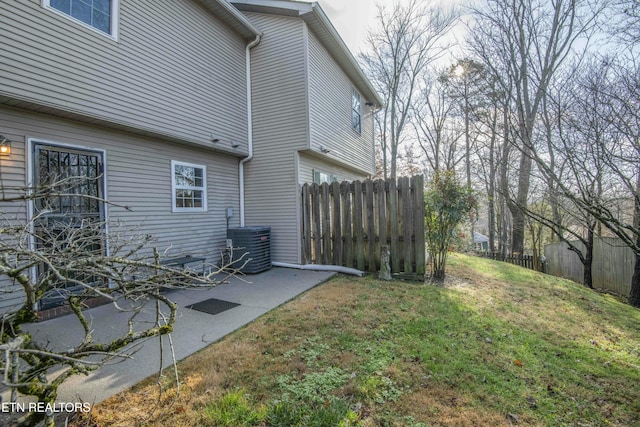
column 68, row 213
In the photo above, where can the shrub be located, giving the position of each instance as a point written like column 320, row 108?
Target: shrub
column 448, row 204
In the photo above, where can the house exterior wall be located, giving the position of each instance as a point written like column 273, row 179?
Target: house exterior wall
column 330, row 113
column 301, row 105
column 309, row 163
column 280, row 129
column 174, row 69
column 138, row 176
column 12, row 178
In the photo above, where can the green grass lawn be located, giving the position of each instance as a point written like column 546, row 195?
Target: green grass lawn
column 496, row 345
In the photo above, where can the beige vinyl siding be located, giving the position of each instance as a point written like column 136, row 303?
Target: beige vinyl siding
column 138, row 172
column 279, row 130
column 12, row 179
column 330, row 112
column 310, row 163
column 175, row 69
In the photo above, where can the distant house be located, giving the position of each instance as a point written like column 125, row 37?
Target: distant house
column 480, row 242
column 184, row 111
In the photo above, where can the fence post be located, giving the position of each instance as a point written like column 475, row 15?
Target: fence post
column 418, row 188
column 315, row 221
column 326, row 224
column 382, row 213
column 347, row 213
column 371, row 227
column 407, row 223
column 337, row 224
column 360, row 261
column 306, row 225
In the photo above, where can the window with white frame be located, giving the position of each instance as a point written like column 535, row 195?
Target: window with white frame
column 356, row 120
column 99, row 15
column 189, row 187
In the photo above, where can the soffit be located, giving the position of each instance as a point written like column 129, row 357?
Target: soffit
column 232, row 17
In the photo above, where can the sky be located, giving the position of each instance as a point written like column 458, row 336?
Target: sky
column 352, row 19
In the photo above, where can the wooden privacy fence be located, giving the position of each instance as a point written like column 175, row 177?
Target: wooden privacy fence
column 612, row 267
column 346, row 224
column 525, row 261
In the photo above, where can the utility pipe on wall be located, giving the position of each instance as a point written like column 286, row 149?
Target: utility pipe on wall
column 249, row 125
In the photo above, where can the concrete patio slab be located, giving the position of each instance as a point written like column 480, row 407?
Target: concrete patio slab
column 193, row 330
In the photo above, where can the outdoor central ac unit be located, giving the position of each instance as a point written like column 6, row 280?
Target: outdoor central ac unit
column 251, row 248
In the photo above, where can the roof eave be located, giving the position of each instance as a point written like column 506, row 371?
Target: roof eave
column 232, row 17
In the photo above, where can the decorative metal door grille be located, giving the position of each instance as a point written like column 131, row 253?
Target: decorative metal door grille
column 69, row 210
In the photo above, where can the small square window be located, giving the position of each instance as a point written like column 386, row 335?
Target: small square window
column 99, row 15
column 188, row 187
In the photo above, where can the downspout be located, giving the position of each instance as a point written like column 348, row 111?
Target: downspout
column 249, row 126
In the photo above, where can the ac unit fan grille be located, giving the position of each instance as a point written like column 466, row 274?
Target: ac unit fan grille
column 253, row 244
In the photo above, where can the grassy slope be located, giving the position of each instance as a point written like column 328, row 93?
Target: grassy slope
column 497, row 345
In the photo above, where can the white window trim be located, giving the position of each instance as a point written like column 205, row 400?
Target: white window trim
column 115, row 9
column 354, row 94
column 174, row 187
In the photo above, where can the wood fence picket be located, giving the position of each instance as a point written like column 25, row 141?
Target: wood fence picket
column 347, row 224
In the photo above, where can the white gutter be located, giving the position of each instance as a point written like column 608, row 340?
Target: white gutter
column 249, row 126
column 320, row 267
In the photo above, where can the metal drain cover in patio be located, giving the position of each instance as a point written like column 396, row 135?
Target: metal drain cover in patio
column 213, row 306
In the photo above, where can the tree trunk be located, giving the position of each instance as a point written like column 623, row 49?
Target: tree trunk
column 588, row 260
column 517, row 232
column 504, row 182
column 634, row 296
column 438, row 268
column 524, row 179
column 492, row 224
column 439, row 260
column 492, row 197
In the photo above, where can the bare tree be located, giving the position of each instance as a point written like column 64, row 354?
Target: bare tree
column 489, row 127
column 435, row 131
column 409, row 37
column 525, row 42
column 466, row 87
column 465, row 83
column 603, row 154
column 623, row 22
column 64, row 258
column 618, row 84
